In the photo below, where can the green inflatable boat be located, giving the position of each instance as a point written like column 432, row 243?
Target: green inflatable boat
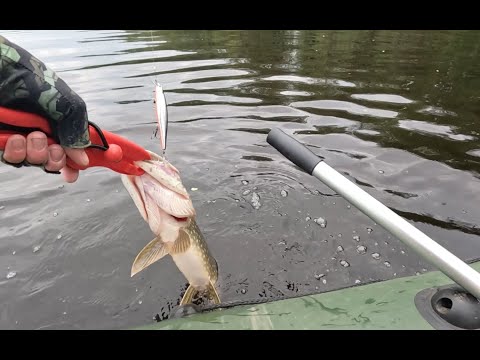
column 445, row 299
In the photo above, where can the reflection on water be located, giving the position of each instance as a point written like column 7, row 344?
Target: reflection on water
column 396, row 112
column 428, row 128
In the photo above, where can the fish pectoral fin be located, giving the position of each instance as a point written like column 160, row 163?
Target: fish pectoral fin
column 211, row 294
column 152, row 252
column 182, row 243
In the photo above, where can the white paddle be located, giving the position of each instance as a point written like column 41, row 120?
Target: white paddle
column 431, row 251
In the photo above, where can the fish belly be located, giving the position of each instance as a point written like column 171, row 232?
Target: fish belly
column 192, row 266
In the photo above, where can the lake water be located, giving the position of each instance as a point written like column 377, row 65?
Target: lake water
column 397, row 112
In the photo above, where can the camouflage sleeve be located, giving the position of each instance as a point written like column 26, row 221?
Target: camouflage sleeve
column 26, row 84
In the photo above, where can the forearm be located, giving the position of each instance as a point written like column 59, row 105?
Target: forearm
column 26, row 84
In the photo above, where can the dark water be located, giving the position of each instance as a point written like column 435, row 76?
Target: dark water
column 396, row 111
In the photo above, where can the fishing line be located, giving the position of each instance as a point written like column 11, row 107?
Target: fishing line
column 155, row 82
column 154, row 66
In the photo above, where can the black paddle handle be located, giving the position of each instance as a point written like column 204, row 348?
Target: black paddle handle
column 293, row 150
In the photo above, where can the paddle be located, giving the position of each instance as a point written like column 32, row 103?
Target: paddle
column 430, row 250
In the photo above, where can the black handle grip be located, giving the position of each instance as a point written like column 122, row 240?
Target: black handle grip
column 293, row 150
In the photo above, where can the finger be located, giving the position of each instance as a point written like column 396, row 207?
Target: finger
column 78, row 156
column 37, row 152
column 70, row 175
column 56, row 158
column 15, row 149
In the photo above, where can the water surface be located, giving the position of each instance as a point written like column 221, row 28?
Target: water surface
column 396, row 112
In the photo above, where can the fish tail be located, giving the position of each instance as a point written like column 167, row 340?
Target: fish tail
column 211, row 293
column 188, row 296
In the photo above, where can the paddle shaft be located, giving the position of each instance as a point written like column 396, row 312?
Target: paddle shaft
column 431, row 251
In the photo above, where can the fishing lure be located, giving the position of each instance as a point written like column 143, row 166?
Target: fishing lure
column 161, row 111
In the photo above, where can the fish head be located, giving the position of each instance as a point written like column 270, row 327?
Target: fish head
column 160, row 197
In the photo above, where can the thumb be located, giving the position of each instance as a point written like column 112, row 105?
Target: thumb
column 78, row 156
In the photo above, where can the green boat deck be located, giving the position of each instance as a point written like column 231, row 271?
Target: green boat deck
column 382, row 305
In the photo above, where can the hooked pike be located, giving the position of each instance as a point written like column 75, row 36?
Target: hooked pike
column 165, row 205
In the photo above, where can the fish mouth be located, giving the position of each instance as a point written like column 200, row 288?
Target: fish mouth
column 163, row 191
column 164, row 173
column 160, row 195
column 173, row 220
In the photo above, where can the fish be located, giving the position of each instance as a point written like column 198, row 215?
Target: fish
column 166, row 206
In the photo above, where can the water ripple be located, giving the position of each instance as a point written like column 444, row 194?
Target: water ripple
column 433, row 129
column 349, row 107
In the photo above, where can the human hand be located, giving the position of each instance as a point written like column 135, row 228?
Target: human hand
column 35, row 150
column 46, row 95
